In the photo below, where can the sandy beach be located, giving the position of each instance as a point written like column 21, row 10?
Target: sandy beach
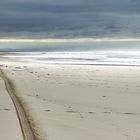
column 9, row 124
column 76, row 102
column 70, row 70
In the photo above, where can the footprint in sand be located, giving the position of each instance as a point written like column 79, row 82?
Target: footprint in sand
column 5, row 109
column 107, row 112
column 47, row 110
column 90, row 112
column 128, row 113
column 71, row 111
column 104, row 96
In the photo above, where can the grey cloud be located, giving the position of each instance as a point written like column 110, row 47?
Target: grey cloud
column 70, row 18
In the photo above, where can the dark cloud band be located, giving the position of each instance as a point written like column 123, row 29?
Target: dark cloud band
column 74, row 18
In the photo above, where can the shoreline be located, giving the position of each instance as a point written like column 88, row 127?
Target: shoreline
column 65, row 64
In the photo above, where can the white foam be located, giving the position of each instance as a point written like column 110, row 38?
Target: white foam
column 96, row 57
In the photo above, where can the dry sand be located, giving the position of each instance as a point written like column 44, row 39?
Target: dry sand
column 80, row 102
column 9, row 124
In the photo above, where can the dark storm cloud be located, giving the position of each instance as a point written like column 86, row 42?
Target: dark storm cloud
column 70, row 18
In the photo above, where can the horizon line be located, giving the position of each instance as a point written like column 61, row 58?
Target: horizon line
column 70, row 40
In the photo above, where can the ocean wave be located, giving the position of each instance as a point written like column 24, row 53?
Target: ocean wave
column 81, row 58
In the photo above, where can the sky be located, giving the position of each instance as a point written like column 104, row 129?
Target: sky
column 69, row 18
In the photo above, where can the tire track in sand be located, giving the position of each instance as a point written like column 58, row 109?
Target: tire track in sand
column 27, row 129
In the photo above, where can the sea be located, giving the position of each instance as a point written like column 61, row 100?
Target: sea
column 125, row 53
